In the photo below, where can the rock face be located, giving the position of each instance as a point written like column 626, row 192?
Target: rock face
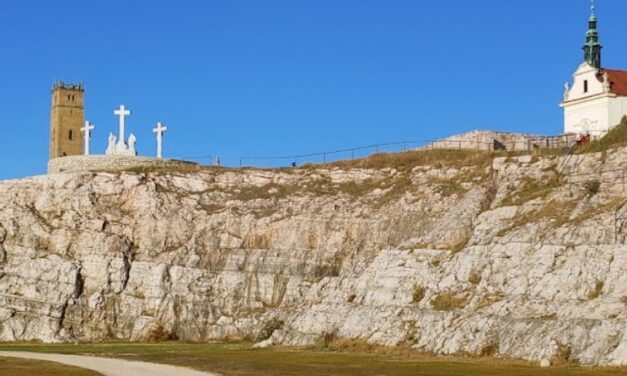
column 520, row 257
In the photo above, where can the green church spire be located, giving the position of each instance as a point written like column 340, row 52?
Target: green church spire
column 592, row 48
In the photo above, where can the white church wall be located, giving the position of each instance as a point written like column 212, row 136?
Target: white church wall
column 588, row 106
column 618, row 109
column 585, row 73
column 588, row 116
column 596, row 116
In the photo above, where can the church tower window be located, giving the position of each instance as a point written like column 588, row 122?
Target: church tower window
column 585, row 86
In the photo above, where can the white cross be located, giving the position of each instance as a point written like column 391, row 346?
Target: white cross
column 87, row 131
column 160, row 130
column 122, row 113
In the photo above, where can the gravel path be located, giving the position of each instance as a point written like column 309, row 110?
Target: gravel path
column 108, row 366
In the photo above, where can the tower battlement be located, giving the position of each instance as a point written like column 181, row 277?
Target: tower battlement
column 61, row 85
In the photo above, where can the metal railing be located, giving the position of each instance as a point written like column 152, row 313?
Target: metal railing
column 287, row 160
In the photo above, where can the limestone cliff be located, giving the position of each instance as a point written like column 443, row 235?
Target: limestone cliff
column 520, row 257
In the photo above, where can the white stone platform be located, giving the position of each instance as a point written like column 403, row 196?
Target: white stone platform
column 108, row 163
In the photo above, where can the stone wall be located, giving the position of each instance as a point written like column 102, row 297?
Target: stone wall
column 491, row 140
column 107, row 163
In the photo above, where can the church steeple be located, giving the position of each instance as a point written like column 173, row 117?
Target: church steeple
column 592, row 48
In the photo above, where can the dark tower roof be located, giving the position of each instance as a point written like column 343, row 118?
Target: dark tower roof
column 592, row 47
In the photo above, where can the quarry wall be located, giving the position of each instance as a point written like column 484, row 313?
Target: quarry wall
column 519, row 257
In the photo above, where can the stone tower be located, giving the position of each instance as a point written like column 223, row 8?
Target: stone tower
column 67, row 116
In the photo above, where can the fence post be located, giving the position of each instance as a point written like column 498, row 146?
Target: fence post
column 324, row 158
column 460, row 145
column 240, row 162
column 352, row 154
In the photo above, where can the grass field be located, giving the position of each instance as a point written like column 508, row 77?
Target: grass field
column 20, row 367
column 239, row 360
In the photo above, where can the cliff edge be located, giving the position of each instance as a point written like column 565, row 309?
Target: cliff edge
column 446, row 252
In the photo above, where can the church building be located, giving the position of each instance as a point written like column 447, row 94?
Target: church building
column 597, row 99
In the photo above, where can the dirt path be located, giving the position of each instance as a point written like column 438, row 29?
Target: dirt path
column 108, row 366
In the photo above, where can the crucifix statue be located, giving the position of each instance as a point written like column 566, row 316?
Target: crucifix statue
column 122, row 112
column 87, row 131
column 160, row 130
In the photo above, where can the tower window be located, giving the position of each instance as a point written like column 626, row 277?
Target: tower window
column 585, row 86
column 70, row 135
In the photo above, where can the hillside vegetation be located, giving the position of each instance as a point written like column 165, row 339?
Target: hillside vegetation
column 616, row 137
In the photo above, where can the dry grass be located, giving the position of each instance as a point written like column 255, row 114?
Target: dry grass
column 448, row 188
column 490, row 299
column 608, row 207
column 592, row 187
column 556, row 213
column 265, row 192
column 447, row 301
column 615, row 138
column 460, row 244
column 597, row 291
column 23, row 367
column 338, row 358
column 549, row 317
column 394, row 188
column 179, row 169
column 160, row 334
column 410, row 159
column 474, row 278
column 212, row 208
column 418, row 294
column 563, row 357
column 531, row 189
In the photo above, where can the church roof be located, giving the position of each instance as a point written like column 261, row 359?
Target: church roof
column 618, row 80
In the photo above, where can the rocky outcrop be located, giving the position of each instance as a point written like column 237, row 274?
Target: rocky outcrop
column 519, row 257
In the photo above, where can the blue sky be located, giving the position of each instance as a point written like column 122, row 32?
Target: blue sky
column 281, row 77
